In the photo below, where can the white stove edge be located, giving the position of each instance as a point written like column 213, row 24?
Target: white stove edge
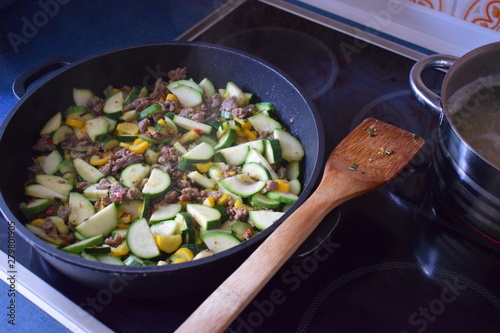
column 413, row 23
column 52, row 301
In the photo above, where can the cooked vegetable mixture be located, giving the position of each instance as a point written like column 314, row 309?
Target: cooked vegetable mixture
column 157, row 177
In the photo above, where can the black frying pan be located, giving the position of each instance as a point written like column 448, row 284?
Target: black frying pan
column 141, row 66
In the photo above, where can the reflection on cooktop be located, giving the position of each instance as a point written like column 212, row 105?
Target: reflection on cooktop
column 310, row 62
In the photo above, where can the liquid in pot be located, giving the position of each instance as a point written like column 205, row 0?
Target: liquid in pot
column 475, row 112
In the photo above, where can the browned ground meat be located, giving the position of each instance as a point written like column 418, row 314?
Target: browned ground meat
column 44, row 144
column 177, row 74
column 230, row 170
column 103, row 184
column 36, row 168
column 114, row 241
column 229, row 104
column 280, row 171
column 271, row 185
column 49, row 227
column 120, row 159
column 170, row 106
column 188, row 112
column 80, row 186
column 170, row 197
column 118, row 193
column 240, row 214
column 63, row 212
column 96, row 104
column 73, row 141
column 265, row 135
column 244, row 112
column 216, row 101
column 183, row 183
column 141, row 103
column 160, row 90
column 192, row 194
column 168, row 155
column 215, row 194
column 143, row 125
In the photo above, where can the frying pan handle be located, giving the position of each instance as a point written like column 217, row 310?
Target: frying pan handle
column 423, row 94
column 23, row 81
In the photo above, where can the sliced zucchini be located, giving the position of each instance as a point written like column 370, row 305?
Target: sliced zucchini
column 284, row 197
column 242, row 185
column 42, row 192
column 260, row 200
column 109, row 143
column 150, row 110
column 202, row 180
column 272, row 151
column 133, row 261
column 263, row 123
column 234, row 91
column 169, row 227
column 133, row 175
column 295, row 186
column 61, row 134
column 186, row 82
column 291, row 148
column 41, row 234
column 97, row 250
column 207, row 217
column 187, row 228
column 218, row 241
column 87, row 171
column 293, row 170
column 158, row 183
column 82, row 96
column 34, row 206
column 109, row 259
column 97, row 128
column 262, row 219
column 113, row 106
column 87, row 256
column 78, row 112
column 52, row 124
column 101, row 223
column 254, row 156
column 141, row 241
column 170, row 125
column 208, row 89
column 226, row 139
column 55, row 183
column 81, row 208
column 190, row 124
column 78, row 247
column 239, row 229
column 94, row 194
column 132, row 96
column 50, row 164
column 187, row 96
column 256, row 171
column 236, row 155
column 200, row 154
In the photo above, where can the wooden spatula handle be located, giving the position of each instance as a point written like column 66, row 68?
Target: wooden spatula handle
column 222, row 307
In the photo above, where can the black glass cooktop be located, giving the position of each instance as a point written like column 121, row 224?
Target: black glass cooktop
column 395, row 260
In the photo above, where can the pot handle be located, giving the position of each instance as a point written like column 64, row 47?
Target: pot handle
column 423, row 94
column 23, row 81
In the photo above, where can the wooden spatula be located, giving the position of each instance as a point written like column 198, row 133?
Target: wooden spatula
column 369, row 157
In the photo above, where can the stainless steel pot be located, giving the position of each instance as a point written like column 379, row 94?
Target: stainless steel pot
column 469, row 182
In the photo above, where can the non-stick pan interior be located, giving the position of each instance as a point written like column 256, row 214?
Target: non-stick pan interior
column 140, row 66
